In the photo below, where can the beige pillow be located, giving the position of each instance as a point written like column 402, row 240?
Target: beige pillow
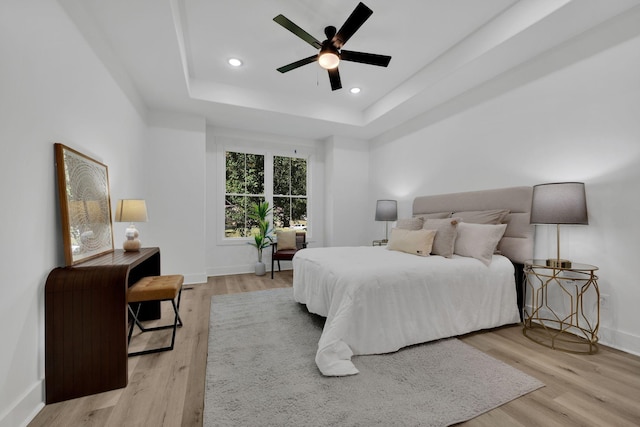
column 478, row 240
column 416, row 242
column 410, row 223
column 446, row 230
column 492, row 216
column 437, row 215
column 286, row 239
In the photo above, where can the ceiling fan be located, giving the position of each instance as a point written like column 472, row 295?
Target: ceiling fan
column 331, row 51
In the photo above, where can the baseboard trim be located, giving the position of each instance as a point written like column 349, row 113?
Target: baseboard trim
column 229, row 270
column 25, row 408
column 620, row 340
column 192, row 279
column 238, row 269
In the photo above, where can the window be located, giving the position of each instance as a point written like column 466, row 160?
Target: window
column 252, row 178
column 289, row 192
column 244, row 187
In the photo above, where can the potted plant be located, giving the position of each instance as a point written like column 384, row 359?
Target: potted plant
column 262, row 240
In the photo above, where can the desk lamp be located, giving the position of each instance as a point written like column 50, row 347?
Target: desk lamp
column 559, row 203
column 131, row 210
column 386, row 210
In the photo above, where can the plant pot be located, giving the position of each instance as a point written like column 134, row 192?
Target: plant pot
column 260, row 269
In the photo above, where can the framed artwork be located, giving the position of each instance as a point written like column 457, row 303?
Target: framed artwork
column 85, row 205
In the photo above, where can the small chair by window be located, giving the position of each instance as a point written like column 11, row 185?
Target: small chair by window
column 288, row 243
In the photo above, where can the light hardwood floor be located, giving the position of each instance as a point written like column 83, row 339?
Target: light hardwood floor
column 167, row 389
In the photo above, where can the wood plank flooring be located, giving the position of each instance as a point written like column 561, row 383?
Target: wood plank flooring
column 167, row 389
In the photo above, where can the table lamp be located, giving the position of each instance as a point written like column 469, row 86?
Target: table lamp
column 131, row 210
column 559, row 203
column 386, row 210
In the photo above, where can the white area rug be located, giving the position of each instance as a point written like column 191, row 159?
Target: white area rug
column 261, row 372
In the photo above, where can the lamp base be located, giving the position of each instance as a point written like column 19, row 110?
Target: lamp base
column 558, row 263
column 132, row 245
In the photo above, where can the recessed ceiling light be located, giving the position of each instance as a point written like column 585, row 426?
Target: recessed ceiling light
column 354, row 90
column 235, row 62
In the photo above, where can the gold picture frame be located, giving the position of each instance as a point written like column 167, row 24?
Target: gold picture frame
column 85, row 205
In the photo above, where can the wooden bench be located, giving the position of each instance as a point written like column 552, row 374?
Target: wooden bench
column 155, row 288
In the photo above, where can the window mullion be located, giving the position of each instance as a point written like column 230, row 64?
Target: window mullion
column 268, row 180
column 246, row 218
column 290, row 190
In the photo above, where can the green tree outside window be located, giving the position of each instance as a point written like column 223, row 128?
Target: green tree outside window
column 244, row 188
column 289, row 192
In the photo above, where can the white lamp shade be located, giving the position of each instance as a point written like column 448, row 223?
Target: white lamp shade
column 386, row 210
column 328, row 60
column 559, row 203
column 131, row 210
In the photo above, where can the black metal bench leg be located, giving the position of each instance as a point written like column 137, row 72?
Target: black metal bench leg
column 177, row 309
column 133, row 321
column 177, row 322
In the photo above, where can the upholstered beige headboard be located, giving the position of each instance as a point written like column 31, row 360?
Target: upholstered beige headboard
column 517, row 243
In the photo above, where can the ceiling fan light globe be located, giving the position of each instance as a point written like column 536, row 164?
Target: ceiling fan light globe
column 328, row 60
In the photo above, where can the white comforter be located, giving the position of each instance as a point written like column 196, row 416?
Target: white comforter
column 378, row 301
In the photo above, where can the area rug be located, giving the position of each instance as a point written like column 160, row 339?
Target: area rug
column 261, row 372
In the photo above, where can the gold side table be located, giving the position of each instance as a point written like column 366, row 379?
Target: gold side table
column 561, row 307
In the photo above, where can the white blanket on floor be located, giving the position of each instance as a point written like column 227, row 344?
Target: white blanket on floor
column 378, row 301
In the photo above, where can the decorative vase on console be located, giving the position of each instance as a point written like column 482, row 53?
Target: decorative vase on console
column 132, row 243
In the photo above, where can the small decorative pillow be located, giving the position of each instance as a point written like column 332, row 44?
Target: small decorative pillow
column 410, row 223
column 492, row 216
column 286, row 239
column 445, row 239
column 478, row 240
column 416, row 242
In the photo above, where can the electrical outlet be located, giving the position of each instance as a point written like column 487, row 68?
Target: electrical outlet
column 604, row 301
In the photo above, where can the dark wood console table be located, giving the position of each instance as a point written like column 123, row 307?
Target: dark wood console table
column 86, row 322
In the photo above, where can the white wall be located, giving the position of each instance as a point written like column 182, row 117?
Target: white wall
column 175, row 175
column 53, row 89
column 224, row 257
column 347, row 192
column 576, row 124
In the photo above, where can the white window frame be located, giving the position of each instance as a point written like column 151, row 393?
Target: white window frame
column 268, row 153
column 306, row 196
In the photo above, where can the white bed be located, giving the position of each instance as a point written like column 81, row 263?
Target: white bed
column 377, row 300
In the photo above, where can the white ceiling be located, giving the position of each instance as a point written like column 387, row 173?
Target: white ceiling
column 171, row 55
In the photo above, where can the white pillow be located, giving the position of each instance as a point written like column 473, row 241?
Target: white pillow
column 416, row 242
column 478, row 240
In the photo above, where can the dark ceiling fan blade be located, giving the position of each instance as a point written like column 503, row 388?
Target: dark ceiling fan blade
column 297, row 64
column 334, row 78
column 365, row 58
column 289, row 25
column 359, row 15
